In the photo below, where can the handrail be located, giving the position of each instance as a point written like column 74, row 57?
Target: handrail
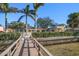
column 10, row 51
column 39, row 46
column 60, row 37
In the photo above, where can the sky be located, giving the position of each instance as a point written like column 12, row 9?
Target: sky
column 56, row 11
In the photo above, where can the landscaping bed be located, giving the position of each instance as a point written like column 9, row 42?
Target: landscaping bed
column 69, row 49
column 6, row 39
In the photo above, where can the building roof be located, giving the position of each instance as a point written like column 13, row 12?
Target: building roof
column 39, row 29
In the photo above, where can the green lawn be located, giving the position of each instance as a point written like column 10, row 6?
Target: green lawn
column 70, row 49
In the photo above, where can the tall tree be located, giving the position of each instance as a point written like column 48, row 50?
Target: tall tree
column 73, row 20
column 36, row 7
column 19, row 26
column 4, row 8
column 27, row 13
column 44, row 22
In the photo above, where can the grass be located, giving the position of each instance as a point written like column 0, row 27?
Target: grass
column 69, row 49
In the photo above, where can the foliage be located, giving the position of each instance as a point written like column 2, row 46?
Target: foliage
column 27, row 12
column 4, row 7
column 9, row 36
column 36, row 6
column 44, row 22
column 73, row 20
column 17, row 25
column 54, row 34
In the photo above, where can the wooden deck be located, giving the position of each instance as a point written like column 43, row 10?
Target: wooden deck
column 26, row 45
column 29, row 49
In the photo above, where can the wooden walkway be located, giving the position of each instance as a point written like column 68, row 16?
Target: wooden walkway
column 26, row 45
column 29, row 49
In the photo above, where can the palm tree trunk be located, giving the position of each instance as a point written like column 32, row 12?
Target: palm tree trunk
column 35, row 23
column 26, row 25
column 5, row 21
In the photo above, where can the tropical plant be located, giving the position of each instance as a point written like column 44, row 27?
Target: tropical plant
column 17, row 26
column 27, row 13
column 4, row 8
column 36, row 6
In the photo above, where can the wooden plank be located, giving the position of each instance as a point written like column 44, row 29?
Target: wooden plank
column 25, row 52
column 33, row 52
column 19, row 48
column 40, row 46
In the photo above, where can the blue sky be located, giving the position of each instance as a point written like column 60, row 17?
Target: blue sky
column 57, row 11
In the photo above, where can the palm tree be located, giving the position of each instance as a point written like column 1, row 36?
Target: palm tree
column 27, row 13
column 36, row 6
column 4, row 8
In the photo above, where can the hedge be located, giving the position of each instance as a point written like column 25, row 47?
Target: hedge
column 54, row 34
column 9, row 36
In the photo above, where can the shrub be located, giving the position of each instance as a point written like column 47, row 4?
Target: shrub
column 54, row 34
column 9, row 36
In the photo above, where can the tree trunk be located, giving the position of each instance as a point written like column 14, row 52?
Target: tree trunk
column 35, row 23
column 26, row 25
column 5, row 21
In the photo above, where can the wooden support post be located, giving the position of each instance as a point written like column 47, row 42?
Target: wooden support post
column 33, row 42
column 9, row 53
column 38, row 51
column 28, row 47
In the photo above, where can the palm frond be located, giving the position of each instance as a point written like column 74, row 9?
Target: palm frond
column 27, row 8
column 37, row 5
column 13, row 9
column 20, row 18
column 32, row 12
column 32, row 17
column 4, row 7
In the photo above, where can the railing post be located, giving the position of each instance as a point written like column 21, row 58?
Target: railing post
column 28, row 47
column 38, row 51
column 9, row 53
column 34, row 43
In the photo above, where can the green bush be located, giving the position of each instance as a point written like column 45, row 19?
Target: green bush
column 54, row 34
column 9, row 36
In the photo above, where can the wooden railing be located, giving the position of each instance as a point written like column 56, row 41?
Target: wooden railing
column 12, row 50
column 41, row 50
column 59, row 37
column 58, row 40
